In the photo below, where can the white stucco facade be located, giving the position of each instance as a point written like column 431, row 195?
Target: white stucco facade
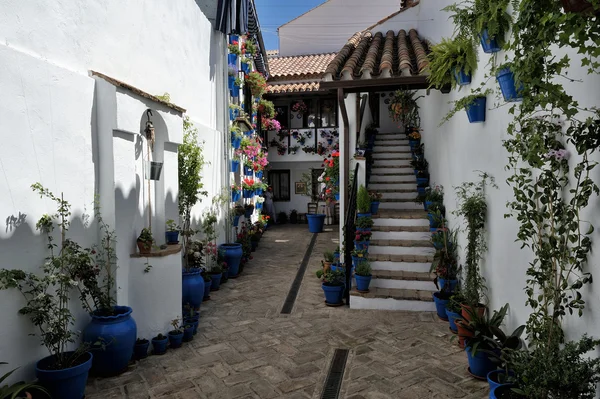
column 79, row 135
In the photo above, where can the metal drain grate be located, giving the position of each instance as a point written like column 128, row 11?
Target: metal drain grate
column 288, row 305
column 333, row 383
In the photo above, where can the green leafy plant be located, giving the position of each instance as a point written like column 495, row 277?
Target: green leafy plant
column 172, row 225
column 146, row 236
column 251, row 47
column 19, row 389
column 266, row 108
column 363, row 269
column 451, row 56
column 403, row 108
column 331, row 278
column 471, row 18
column 328, row 256
column 464, row 103
column 364, row 222
column 177, row 327
column 472, row 206
column 234, row 48
column 257, row 83
column 363, row 200
column 445, row 263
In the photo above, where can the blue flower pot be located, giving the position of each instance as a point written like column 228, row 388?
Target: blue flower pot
column 357, row 259
column 232, row 59
column 207, row 285
column 336, row 255
column 452, row 320
column 480, row 364
column 235, row 165
column 450, row 284
column 118, row 333
column 427, row 204
column 489, row 45
column 315, row 222
column 258, row 206
column 234, row 38
column 361, row 245
column 336, row 196
column 216, row 281
column 422, row 181
column 235, row 196
column 420, row 190
column 235, row 92
column 414, row 144
column 248, row 213
column 175, row 340
column 432, row 220
column 246, row 68
column 333, row 293
column 248, row 193
column 172, row 237
column 67, row 383
column 258, row 191
column 440, row 306
column 362, row 283
column 500, row 390
column 259, row 175
column 462, row 78
column 232, row 256
column 192, row 288
column 249, row 133
column 236, row 142
column 476, row 110
column 506, row 80
column 140, row 351
column 231, row 115
column 363, row 229
column 188, row 333
column 363, row 215
column 248, row 170
column 230, row 82
column 374, row 207
column 159, row 346
column 492, row 379
column 194, row 322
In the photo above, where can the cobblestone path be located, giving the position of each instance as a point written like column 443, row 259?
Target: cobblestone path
column 246, row 349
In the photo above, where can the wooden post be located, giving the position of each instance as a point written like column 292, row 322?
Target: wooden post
column 346, row 164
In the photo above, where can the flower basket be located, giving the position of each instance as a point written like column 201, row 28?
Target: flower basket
column 235, row 165
column 232, row 59
column 153, row 170
column 506, row 80
column 230, row 82
column 248, row 193
column 248, row 170
column 476, row 110
column 489, row 44
column 235, row 196
column 462, row 78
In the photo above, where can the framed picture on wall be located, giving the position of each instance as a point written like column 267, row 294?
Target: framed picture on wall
column 300, row 187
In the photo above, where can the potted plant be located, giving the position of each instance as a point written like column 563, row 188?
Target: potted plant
column 328, row 260
column 362, row 239
column 294, row 149
column 64, row 372
column 375, row 201
column 247, row 65
column 191, row 316
column 19, row 389
column 145, row 241
column 207, row 284
column 257, row 83
column 363, row 202
column 216, row 273
column 231, row 75
column 418, row 165
column 363, row 275
column 403, row 108
column 248, row 188
column 444, row 261
column 235, row 162
column 192, row 281
column 159, row 344
column 453, row 312
column 508, row 86
column 452, row 61
column 266, row 109
column 473, row 208
column 176, row 334
column 172, row 233
column 234, row 111
column 236, row 136
column 414, row 140
column 333, row 286
column 234, row 52
column 359, row 256
column 235, row 193
column 300, row 107
column 364, row 223
column 140, row 350
column 315, row 193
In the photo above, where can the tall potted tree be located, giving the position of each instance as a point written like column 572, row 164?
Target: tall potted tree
column 315, row 192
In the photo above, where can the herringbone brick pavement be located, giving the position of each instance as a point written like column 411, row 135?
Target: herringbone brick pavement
column 246, row 349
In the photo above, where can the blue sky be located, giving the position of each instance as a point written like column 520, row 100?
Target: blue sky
column 274, row 13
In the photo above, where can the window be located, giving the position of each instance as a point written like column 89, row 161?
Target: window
column 328, row 113
column 281, row 115
column 280, row 181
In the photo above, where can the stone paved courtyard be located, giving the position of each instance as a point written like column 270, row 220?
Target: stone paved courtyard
column 246, row 349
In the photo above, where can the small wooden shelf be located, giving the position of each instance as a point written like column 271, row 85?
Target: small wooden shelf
column 159, row 253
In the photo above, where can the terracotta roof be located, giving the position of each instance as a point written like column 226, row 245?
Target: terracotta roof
column 400, row 55
column 293, row 87
column 299, row 65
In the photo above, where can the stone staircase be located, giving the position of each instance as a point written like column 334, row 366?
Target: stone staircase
column 400, row 250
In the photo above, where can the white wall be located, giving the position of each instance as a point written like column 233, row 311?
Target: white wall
column 297, row 169
column 49, row 124
column 317, row 32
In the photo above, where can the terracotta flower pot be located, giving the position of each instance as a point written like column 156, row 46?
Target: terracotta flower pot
column 463, row 332
column 466, row 310
column 326, row 266
column 144, row 247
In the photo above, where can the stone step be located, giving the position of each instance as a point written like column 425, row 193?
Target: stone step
column 410, row 205
column 377, row 235
column 398, row 195
column 406, row 178
column 401, row 266
column 412, row 191
column 401, row 228
column 392, row 299
column 398, row 149
column 391, row 155
column 391, row 172
column 399, row 168
column 400, row 258
column 393, row 186
column 422, row 281
column 401, row 214
column 392, row 162
column 406, row 198
column 391, row 134
column 390, row 242
column 415, row 250
column 396, row 137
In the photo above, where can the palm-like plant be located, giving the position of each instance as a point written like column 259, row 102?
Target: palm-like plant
column 450, row 56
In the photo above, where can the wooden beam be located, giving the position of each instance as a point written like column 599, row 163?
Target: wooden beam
column 346, row 164
column 381, row 84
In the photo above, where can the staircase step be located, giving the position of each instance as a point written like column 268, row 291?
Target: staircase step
column 402, row 134
column 377, row 235
column 396, row 149
column 409, row 229
column 401, row 214
column 408, row 249
column 391, row 155
column 406, row 205
column 398, row 167
column 410, row 196
column 401, row 243
column 393, row 299
column 392, row 162
column 401, row 258
column 405, row 267
column 403, row 280
column 411, row 191
column 393, row 186
column 394, row 179
column 391, row 172
column 406, row 199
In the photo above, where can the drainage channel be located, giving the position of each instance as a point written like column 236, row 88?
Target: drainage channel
column 288, row 305
column 333, row 383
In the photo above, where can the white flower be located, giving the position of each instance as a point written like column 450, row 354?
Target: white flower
column 260, row 200
column 197, row 254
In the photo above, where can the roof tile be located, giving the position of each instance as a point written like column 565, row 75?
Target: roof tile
column 299, row 65
column 277, row 88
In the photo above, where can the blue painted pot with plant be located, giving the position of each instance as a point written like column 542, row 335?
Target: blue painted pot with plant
column 333, row 286
column 363, row 275
column 140, row 350
column 159, row 344
column 363, row 202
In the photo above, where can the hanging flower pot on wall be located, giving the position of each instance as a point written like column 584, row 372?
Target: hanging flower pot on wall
column 476, row 110
column 462, row 78
column 152, row 170
column 489, row 44
column 506, row 80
